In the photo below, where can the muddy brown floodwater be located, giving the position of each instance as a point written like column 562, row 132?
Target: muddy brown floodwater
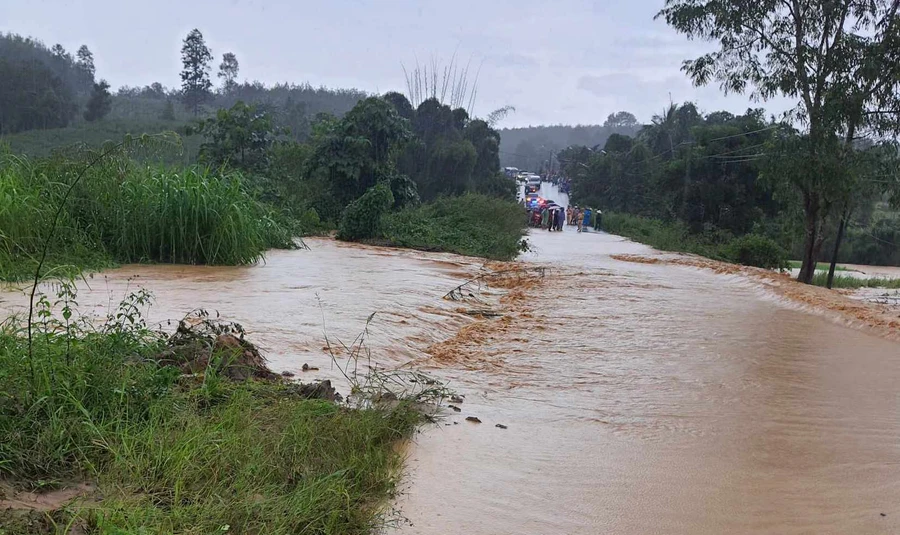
column 637, row 397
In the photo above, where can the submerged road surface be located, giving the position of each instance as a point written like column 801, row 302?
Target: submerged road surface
column 662, row 399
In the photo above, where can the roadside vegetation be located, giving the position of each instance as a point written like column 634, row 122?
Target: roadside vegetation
column 184, row 434
column 821, row 266
column 472, row 225
column 749, row 249
column 849, row 281
column 122, row 211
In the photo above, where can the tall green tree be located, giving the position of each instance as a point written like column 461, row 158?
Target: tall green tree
column 359, row 151
column 812, row 51
column 620, row 120
column 86, row 60
column 195, row 59
column 239, row 137
column 100, row 103
column 228, row 71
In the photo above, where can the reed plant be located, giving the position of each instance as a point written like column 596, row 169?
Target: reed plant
column 124, row 212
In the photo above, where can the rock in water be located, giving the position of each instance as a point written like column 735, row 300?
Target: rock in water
column 501, row 426
column 318, row 390
column 473, row 419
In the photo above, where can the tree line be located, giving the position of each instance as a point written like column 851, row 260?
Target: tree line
column 47, row 87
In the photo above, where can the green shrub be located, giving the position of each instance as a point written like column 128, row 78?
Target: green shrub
column 362, row 218
column 472, row 224
column 756, row 250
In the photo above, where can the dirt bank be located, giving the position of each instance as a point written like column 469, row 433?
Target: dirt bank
column 879, row 318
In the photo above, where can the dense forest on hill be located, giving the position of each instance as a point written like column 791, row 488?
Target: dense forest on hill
column 529, row 148
column 47, row 91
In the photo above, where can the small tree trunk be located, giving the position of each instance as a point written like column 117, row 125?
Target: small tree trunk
column 811, row 243
column 837, row 245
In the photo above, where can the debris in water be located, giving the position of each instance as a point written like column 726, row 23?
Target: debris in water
column 883, row 514
column 501, row 426
column 286, row 373
column 456, row 399
column 473, row 419
column 308, row 368
column 455, row 408
column 200, row 342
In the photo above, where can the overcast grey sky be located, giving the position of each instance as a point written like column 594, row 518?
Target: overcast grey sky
column 562, row 61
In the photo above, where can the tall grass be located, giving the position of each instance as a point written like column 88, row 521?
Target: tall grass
column 188, row 216
column 472, row 224
column 180, row 454
column 124, row 212
column 848, row 281
column 821, row 266
column 663, row 235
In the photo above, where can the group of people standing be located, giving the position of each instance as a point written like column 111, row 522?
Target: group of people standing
column 553, row 217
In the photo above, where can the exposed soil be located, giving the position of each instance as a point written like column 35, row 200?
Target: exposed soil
column 42, row 501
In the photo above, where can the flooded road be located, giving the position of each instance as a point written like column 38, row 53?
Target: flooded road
column 290, row 302
column 663, row 399
column 638, row 398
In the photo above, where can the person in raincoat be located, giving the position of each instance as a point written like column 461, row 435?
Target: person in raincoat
column 597, row 216
column 545, row 215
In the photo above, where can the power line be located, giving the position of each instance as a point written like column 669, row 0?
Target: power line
column 746, row 133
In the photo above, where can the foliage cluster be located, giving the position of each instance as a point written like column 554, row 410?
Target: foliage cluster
column 750, row 249
column 471, row 224
column 720, row 173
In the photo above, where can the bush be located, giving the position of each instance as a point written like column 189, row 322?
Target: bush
column 756, row 250
column 472, row 224
column 362, row 217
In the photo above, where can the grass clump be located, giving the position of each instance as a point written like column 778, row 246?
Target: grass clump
column 171, row 453
column 124, row 212
column 471, row 224
column 848, row 281
column 821, row 266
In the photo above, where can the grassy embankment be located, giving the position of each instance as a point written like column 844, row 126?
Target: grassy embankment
column 752, row 250
column 169, row 453
column 124, row 212
column 472, row 225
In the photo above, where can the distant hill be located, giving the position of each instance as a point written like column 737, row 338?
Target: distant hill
column 530, row 147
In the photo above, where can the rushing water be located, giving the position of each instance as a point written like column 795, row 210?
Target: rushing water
column 638, row 398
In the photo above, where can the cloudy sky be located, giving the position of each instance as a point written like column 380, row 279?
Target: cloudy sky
column 565, row 61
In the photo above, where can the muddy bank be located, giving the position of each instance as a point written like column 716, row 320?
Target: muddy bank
column 880, row 318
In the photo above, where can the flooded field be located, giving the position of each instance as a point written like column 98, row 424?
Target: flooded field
column 636, row 397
